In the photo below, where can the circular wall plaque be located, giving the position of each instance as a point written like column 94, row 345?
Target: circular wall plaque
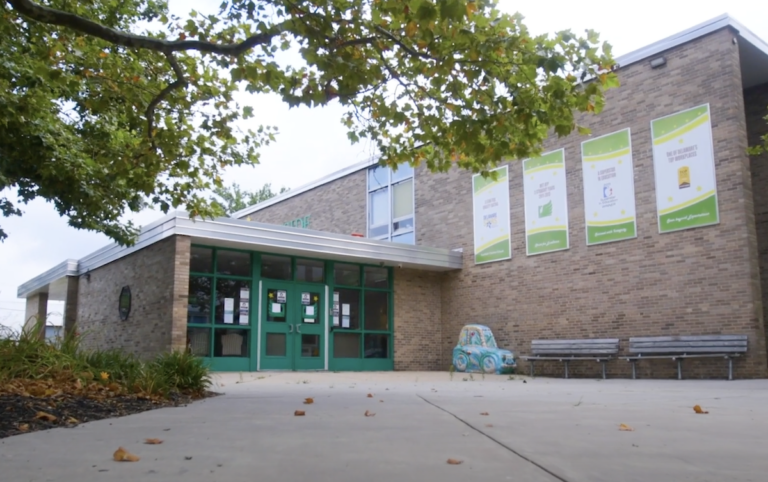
column 124, row 304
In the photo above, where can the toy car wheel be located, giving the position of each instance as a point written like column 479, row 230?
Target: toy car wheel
column 460, row 362
column 489, row 364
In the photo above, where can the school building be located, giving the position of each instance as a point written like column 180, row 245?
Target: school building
column 656, row 224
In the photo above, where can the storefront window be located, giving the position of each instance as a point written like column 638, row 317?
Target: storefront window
column 232, row 301
column 310, row 271
column 376, row 310
column 346, row 274
column 233, row 263
column 219, row 304
column 349, row 309
column 228, row 342
column 376, row 277
column 346, row 345
column 199, row 300
column 276, row 267
column 201, row 260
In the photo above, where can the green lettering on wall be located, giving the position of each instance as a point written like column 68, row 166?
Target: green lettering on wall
column 302, row 222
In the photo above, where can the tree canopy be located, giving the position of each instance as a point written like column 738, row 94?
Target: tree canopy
column 234, row 198
column 107, row 105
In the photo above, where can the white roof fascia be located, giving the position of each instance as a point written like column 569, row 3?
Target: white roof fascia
column 230, row 232
column 36, row 284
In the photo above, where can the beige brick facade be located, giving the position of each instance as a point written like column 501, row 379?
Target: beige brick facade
column 698, row 281
column 337, row 207
column 157, row 321
column 418, row 324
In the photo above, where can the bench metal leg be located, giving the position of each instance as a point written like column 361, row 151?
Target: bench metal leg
column 603, row 363
column 532, row 362
column 634, row 372
column 679, row 368
column 730, row 368
column 566, row 369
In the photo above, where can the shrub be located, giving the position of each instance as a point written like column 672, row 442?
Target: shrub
column 27, row 357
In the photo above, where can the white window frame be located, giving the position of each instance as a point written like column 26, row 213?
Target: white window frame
column 390, row 200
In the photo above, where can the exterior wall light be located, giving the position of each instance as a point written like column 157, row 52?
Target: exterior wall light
column 658, row 62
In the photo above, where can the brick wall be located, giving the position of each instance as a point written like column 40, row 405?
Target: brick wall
column 417, row 321
column 336, row 207
column 158, row 300
column 756, row 103
column 699, row 281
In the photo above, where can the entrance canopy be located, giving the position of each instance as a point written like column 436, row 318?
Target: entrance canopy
column 235, row 233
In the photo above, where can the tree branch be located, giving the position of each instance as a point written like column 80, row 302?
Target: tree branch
column 51, row 16
column 402, row 45
column 179, row 83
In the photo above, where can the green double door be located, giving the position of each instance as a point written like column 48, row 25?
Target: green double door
column 292, row 327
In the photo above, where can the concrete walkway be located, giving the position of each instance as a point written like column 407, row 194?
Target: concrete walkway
column 544, row 430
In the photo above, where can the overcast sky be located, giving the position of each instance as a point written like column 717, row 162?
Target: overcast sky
column 313, row 143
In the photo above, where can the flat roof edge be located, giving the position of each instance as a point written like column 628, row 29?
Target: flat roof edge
column 43, row 280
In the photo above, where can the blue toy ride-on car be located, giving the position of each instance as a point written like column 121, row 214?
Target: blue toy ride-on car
column 477, row 352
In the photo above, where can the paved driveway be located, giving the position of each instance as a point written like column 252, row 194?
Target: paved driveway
column 537, row 430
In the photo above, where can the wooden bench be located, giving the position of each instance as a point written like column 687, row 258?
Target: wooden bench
column 566, row 351
column 680, row 347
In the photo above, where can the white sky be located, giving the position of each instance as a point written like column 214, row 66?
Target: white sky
column 313, row 143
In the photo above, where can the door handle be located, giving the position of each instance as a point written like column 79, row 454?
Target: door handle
column 290, row 326
column 298, row 328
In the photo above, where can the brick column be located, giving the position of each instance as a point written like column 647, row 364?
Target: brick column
column 70, row 304
column 36, row 310
column 180, row 293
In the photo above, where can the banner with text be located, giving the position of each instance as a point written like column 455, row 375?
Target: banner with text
column 684, row 167
column 546, row 203
column 490, row 200
column 609, row 188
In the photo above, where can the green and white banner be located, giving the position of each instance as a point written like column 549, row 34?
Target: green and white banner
column 684, row 166
column 490, row 201
column 609, row 188
column 546, row 203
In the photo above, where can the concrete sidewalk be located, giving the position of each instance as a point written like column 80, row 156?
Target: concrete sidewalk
column 535, row 430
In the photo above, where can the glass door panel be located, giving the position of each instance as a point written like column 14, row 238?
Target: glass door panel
column 277, row 347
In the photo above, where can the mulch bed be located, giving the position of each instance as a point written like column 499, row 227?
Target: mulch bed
column 23, row 414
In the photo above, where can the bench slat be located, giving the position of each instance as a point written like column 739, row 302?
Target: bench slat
column 695, row 349
column 578, row 350
column 689, row 338
column 656, row 344
column 581, row 341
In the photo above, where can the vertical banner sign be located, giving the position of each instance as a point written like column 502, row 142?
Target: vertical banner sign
column 546, row 203
column 609, row 188
column 684, row 165
column 490, row 201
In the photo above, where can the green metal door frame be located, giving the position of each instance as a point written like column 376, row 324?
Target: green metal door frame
column 296, row 326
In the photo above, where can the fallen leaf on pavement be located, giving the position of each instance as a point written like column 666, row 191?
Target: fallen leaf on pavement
column 381, row 401
column 45, row 416
column 309, row 401
column 369, row 414
column 489, row 425
column 153, row 441
column 484, row 413
column 370, row 395
column 23, row 427
column 298, row 413
column 698, row 409
column 122, row 455
column 455, row 462
column 626, row 428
